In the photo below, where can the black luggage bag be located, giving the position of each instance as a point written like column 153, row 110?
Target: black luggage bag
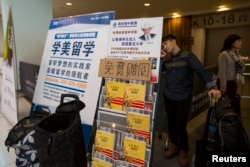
column 21, row 137
column 201, row 152
column 223, row 133
column 59, row 137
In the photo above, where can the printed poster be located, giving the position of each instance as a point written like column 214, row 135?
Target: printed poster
column 137, row 39
column 72, row 52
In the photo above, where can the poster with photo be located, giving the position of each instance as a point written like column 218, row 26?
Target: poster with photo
column 137, row 39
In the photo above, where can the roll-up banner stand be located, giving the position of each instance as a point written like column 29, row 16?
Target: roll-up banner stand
column 71, row 56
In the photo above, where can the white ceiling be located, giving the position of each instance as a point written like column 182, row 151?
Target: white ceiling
column 135, row 9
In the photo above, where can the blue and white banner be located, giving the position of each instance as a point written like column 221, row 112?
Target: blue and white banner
column 72, row 52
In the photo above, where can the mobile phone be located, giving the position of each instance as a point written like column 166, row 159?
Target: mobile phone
column 163, row 52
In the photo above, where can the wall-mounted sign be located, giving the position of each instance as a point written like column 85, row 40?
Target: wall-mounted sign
column 224, row 19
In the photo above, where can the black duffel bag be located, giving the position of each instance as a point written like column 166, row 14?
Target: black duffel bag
column 21, row 137
column 59, row 137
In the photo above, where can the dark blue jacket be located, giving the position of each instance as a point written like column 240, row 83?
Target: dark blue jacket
column 179, row 75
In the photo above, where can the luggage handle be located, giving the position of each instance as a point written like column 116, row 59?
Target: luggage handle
column 212, row 101
column 72, row 106
column 219, row 102
column 68, row 95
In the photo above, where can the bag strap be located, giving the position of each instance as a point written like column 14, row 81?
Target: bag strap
column 231, row 56
column 70, row 107
column 38, row 108
column 63, row 96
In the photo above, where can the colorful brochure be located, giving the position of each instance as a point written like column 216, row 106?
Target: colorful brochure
column 138, row 121
column 104, row 142
column 134, row 96
column 134, row 148
column 114, row 96
column 100, row 163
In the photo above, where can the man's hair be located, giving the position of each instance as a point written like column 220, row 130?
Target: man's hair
column 168, row 37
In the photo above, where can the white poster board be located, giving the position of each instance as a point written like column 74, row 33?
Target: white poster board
column 128, row 40
column 70, row 62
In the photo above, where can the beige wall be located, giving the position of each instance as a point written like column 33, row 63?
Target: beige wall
column 198, row 47
column 31, row 22
column 215, row 38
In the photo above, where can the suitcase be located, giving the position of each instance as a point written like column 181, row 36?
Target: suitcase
column 223, row 132
column 21, row 137
column 201, row 151
column 59, row 137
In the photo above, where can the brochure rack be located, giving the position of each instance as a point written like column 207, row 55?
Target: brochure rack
column 127, row 100
column 125, row 123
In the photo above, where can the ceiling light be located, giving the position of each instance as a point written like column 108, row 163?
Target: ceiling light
column 222, row 8
column 146, row 4
column 174, row 15
column 68, row 3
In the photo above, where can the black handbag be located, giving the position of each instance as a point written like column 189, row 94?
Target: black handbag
column 21, row 137
column 59, row 137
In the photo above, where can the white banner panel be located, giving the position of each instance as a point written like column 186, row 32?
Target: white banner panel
column 70, row 62
column 137, row 39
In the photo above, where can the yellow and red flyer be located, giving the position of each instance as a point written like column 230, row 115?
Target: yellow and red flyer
column 114, row 96
column 100, row 163
column 139, row 124
column 107, row 152
column 134, row 148
column 144, row 134
column 134, row 96
column 138, row 121
column 105, row 140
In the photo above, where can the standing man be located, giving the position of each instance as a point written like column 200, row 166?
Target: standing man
column 178, row 94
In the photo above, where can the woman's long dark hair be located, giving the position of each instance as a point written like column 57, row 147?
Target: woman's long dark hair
column 229, row 41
